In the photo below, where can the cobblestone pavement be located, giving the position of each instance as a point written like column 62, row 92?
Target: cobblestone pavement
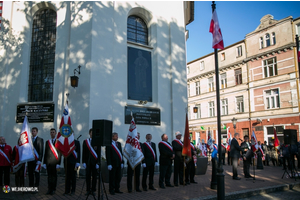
column 269, row 177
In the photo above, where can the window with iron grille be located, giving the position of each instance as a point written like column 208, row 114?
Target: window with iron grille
column 238, row 76
column 137, row 30
column 42, row 56
column 270, row 67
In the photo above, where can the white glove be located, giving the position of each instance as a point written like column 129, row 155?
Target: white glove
column 109, row 167
column 57, row 166
column 122, row 166
column 97, row 166
column 144, row 165
column 77, row 165
column 156, row 163
column 38, row 162
column 44, row 166
column 84, row 165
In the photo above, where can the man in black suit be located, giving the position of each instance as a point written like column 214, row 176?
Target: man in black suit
column 165, row 160
column 52, row 160
column 235, row 153
column 115, row 162
column 137, row 172
column 178, row 160
column 71, row 164
column 247, row 155
column 89, row 162
column 150, row 161
column 38, row 144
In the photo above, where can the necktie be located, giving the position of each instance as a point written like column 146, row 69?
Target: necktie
column 53, row 141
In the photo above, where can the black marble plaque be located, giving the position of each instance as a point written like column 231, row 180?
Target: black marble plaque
column 139, row 74
column 142, row 115
column 43, row 112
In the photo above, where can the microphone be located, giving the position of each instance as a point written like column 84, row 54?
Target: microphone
column 79, row 137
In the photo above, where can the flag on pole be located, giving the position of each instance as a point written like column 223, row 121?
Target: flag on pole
column 228, row 141
column 254, row 143
column 25, row 146
column 65, row 138
column 186, row 149
column 276, row 141
column 216, row 32
column 132, row 150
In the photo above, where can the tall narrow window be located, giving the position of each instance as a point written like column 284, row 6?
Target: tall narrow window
column 239, row 51
column 268, row 42
column 211, row 84
column 239, row 104
column 272, row 99
column 42, row 56
column 211, row 107
column 273, row 39
column 137, row 30
column 223, row 81
column 197, row 87
column 261, row 42
column 270, row 67
column 199, row 111
column 238, row 76
column 202, row 65
column 224, row 103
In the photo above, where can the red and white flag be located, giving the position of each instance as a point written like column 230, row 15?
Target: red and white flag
column 216, row 32
column 186, row 149
column 229, row 139
column 276, row 141
column 132, row 150
column 65, row 137
column 254, row 143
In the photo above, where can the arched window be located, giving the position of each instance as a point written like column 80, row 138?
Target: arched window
column 273, row 38
column 42, row 56
column 137, row 30
column 268, row 42
column 261, row 42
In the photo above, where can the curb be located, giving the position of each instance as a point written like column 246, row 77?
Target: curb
column 249, row 193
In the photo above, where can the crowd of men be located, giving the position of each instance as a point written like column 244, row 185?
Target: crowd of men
column 48, row 157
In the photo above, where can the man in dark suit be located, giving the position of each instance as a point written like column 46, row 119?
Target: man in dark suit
column 247, row 155
column 38, row 144
column 235, row 153
column 150, row 161
column 165, row 160
column 115, row 162
column 137, row 172
column 89, row 162
column 71, row 165
column 178, row 160
column 52, row 160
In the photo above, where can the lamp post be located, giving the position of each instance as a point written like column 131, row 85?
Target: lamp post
column 234, row 120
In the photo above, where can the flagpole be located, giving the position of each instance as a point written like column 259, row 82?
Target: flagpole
column 220, row 175
column 66, row 167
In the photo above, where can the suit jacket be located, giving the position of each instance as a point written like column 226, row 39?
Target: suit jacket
column 235, row 149
column 71, row 158
column 149, row 159
column 49, row 158
column 86, row 154
column 165, row 154
column 248, row 153
column 177, row 148
column 112, row 157
column 38, row 144
column 8, row 152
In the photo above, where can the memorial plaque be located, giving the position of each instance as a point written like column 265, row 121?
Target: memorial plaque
column 36, row 113
column 139, row 75
column 142, row 115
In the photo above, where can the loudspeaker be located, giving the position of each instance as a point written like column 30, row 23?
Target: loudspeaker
column 102, row 132
column 290, row 136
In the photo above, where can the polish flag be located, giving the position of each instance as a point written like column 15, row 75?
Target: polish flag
column 216, row 31
column 65, row 137
column 254, row 143
column 229, row 139
column 276, row 141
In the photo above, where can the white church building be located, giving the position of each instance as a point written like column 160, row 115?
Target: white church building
column 132, row 58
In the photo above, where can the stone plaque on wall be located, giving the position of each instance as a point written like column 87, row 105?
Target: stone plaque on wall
column 42, row 112
column 139, row 74
column 142, row 115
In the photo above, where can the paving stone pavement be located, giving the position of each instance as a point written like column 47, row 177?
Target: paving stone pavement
column 269, row 177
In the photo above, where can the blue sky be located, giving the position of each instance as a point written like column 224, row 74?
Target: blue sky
column 236, row 18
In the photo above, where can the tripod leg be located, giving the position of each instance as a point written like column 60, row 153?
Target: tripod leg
column 104, row 187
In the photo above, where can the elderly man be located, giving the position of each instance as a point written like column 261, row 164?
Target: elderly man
column 5, row 161
column 235, row 153
column 178, row 161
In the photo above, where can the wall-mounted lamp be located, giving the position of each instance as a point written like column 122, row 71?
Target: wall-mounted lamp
column 234, row 120
column 195, row 109
column 75, row 79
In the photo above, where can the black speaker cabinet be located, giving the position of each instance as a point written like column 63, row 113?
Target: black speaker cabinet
column 102, row 132
column 290, row 136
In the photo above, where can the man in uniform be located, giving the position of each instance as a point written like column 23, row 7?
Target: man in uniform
column 52, row 162
column 137, row 172
column 165, row 162
column 178, row 161
column 71, row 165
column 115, row 162
column 149, row 162
column 247, row 155
column 235, row 153
column 35, row 165
column 5, row 161
column 89, row 162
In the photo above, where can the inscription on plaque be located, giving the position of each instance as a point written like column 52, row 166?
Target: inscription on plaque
column 35, row 112
column 142, row 115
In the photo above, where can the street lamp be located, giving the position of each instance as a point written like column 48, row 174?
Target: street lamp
column 234, row 120
column 75, row 79
column 195, row 109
